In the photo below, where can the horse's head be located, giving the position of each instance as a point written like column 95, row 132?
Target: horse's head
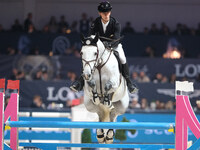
column 90, row 53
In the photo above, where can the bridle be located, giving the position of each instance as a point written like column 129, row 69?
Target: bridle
column 98, row 64
column 87, row 62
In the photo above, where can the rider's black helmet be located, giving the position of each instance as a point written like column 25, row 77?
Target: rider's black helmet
column 104, row 6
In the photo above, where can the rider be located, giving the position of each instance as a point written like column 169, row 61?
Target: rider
column 109, row 27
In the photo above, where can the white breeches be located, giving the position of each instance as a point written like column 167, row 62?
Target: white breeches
column 122, row 56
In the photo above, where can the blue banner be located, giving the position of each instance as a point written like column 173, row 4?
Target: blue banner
column 149, row 136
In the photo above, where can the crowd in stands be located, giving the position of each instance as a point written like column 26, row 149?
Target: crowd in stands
column 82, row 26
column 63, row 26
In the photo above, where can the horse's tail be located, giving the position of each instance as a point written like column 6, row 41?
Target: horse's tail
column 106, row 112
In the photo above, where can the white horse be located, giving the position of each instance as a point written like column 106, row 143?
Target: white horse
column 105, row 90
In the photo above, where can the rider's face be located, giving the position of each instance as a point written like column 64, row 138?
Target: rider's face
column 105, row 16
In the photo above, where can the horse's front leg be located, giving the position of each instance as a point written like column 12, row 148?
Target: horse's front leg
column 107, row 97
column 95, row 98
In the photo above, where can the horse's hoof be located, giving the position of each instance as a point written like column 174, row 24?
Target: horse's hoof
column 109, row 136
column 100, row 136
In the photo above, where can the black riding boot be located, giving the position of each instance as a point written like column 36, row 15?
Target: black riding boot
column 77, row 85
column 125, row 72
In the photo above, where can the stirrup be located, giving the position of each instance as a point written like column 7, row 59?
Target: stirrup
column 76, row 86
column 73, row 88
column 132, row 90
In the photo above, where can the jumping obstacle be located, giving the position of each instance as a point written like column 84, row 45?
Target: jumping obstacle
column 185, row 118
column 92, row 125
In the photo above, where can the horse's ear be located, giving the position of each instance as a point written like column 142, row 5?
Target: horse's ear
column 82, row 37
column 96, row 38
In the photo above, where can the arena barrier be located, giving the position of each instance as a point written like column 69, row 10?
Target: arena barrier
column 185, row 118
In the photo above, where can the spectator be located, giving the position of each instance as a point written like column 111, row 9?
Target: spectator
column 135, row 76
column 158, row 78
column 173, row 79
column 71, row 75
column 37, row 102
column 146, row 31
column 53, row 26
column 84, row 24
column 36, row 51
column 58, row 77
column 28, row 21
column 143, row 78
column 128, row 29
column 17, row 27
column 134, row 103
column 149, row 52
column 144, row 104
column 159, row 105
column 38, row 75
column 73, row 27
column 45, row 76
column 169, row 105
column 62, row 25
column 11, row 51
column 164, row 29
column 178, row 30
column 197, row 107
column 185, row 29
column 24, row 45
column 46, row 29
column 154, row 30
column 164, row 79
column 31, row 29
column 14, row 74
column 70, row 51
column 20, row 75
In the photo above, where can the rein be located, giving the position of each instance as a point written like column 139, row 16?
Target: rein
column 98, row 65
column 99, row 69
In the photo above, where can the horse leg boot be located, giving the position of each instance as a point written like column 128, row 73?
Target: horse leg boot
column 109, row 136
column 77, row 85
column 100, row 136
column 125, row 72
column 95, row 99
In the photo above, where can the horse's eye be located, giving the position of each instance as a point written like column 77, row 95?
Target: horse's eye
column 81, row 53
column 95, row 53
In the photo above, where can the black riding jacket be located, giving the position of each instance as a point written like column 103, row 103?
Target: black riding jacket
column 113, row 29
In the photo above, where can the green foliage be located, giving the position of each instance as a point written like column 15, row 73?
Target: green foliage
column 121, row 133
column 86, row 137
